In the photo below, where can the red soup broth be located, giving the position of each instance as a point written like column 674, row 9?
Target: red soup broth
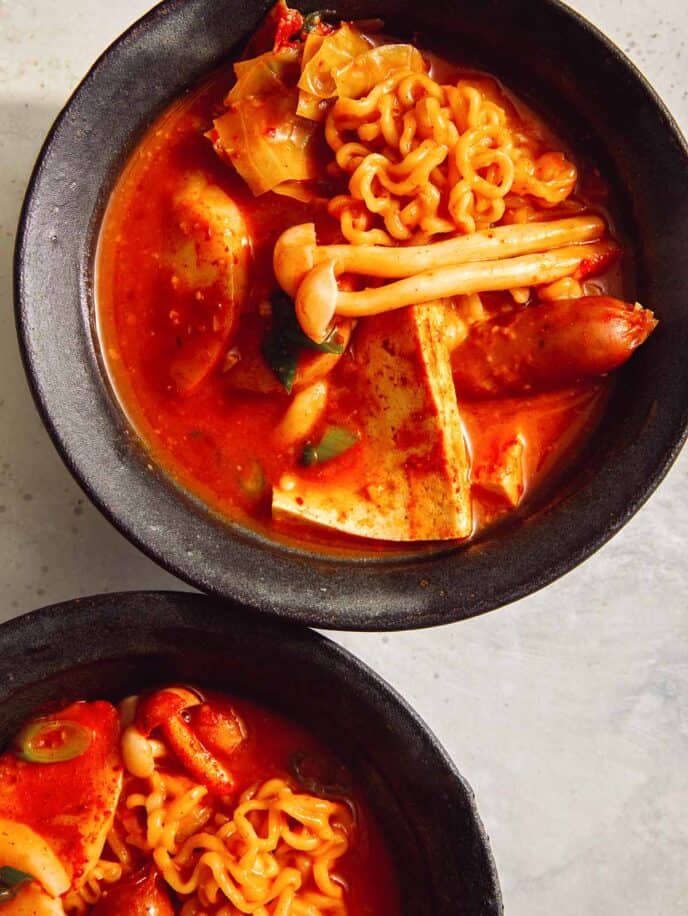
column 211, row 440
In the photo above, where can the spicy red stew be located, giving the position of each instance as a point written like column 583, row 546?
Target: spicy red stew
column 351, row 293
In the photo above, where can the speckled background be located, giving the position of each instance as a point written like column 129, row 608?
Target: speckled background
column 568, row 711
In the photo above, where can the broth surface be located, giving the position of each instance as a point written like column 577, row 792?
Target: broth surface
column 216, row 440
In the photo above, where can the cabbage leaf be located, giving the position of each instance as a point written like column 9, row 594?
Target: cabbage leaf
column 364, row 72
column 336, row 51
column 266, row 141
column 265, row 74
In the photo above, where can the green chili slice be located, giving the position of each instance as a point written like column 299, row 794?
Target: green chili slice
column 285, row 340
column 335, row 441
column 11, row 882
column 52, row 741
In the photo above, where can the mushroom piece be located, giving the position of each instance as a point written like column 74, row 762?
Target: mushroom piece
column 297, row 252
column 164, row 709
column 319, row 299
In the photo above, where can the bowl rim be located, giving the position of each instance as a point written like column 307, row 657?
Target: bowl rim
column 395, row 594
column 29, row 632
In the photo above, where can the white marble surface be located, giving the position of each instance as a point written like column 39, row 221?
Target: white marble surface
column 568, row 711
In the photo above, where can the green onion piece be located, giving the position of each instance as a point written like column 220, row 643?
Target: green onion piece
column 331, row 344
column 281, row 360
column 285, row 340
column 52, row 741
column 335, row 441
column 11, row 882
column 252, row 479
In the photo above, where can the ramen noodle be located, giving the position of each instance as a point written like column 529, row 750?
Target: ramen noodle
column 182, row 802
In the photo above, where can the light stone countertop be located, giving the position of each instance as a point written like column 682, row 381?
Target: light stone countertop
column 568, row 711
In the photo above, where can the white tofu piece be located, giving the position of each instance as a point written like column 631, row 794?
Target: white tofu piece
column 504, row 475
column 412, row 476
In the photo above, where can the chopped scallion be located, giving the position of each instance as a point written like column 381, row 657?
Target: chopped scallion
column 52, row 741
column 335, row 441
column 285, row 340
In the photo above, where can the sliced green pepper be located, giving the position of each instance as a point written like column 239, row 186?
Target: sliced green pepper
column 335, row 441
column 11, row 882
column 52, row 741
column 285, row 340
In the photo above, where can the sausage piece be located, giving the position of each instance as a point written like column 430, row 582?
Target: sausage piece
column 549, row 346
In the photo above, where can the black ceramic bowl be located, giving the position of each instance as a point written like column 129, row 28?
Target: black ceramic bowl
column 568, row 71
column 112, row 645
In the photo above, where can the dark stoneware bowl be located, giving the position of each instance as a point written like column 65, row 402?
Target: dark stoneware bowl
column 569, row 72
column 112, row 645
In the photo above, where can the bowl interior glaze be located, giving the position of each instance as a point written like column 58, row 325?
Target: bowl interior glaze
column 568, row 72
column 113, row 645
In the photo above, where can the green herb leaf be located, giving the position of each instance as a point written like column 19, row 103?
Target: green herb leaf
column 10, row 877
column 335, row 441
column 284, row 341
column 281, row 359
column 11, row 881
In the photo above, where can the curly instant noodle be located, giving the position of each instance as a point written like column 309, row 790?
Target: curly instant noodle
column 273, row 852
column 272, row 855
column 426, row 159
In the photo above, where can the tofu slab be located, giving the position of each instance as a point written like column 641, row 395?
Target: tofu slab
column 412, row 480
column 64, row 809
